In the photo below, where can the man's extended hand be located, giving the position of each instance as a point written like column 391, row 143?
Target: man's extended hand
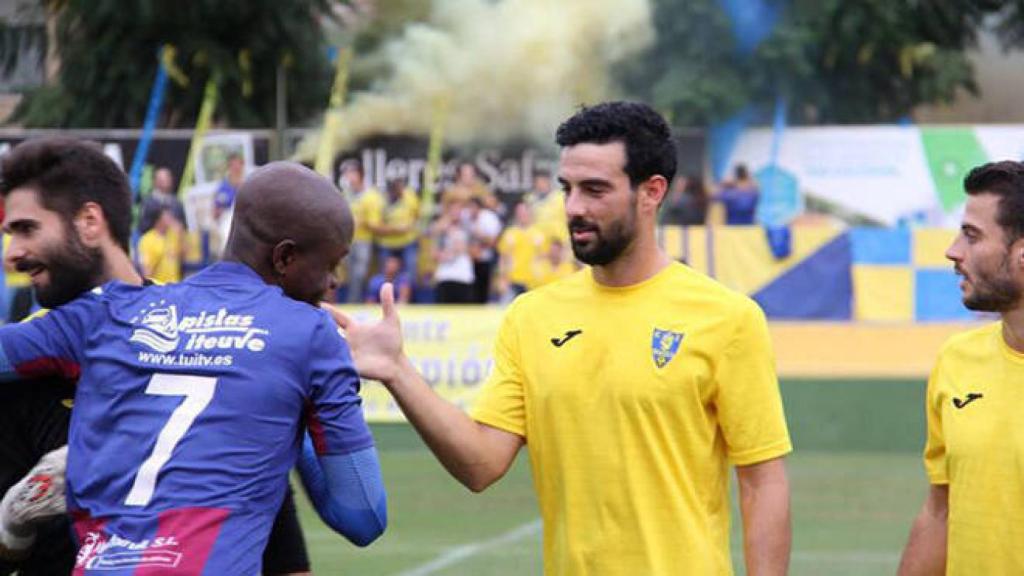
column 376, row 347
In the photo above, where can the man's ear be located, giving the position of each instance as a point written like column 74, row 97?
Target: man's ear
column 91, row 225
column 283, row 256
column 653, row 191
column 1017, row 252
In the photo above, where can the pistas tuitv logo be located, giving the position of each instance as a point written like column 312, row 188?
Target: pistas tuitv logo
column 159, row 328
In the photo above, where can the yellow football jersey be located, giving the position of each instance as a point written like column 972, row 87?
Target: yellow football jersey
column 521, row 247
column 544, row 272
column 404, row 212
column 976, row 446
column 367, row 208
column 633, row 401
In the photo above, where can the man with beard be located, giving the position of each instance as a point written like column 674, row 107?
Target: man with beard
column 70, row 229
column 972, row 521
column 635, row 383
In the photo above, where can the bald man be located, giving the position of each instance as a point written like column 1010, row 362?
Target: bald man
column 192, row 397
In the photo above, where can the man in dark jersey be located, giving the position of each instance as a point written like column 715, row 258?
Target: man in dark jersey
column 67, row 250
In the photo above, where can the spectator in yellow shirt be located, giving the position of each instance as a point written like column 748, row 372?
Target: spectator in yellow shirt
column 520, row 246
column 548, row 208
column 397, row 233
column 366, row 203
column 161, row 249
column 468, row 185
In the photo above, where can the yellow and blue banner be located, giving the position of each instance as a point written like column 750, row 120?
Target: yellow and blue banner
column 870, row 274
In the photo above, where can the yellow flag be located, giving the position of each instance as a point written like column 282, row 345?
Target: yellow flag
column 332, row 118
column 202, row 125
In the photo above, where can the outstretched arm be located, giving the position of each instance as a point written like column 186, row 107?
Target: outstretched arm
column 477, row 455
column 347, row 492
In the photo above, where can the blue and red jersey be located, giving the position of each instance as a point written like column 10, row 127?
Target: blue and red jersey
column 189, row 412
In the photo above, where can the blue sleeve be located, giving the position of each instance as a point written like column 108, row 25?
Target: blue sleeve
column 334, row 413
column 51, row 344
column 347, row 492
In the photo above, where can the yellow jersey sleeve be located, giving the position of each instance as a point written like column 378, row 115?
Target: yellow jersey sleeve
column 935, row 464
column 501, row 403
column 748, row 400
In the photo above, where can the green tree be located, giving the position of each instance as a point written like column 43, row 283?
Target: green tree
column 836, row 61
column 108, row 53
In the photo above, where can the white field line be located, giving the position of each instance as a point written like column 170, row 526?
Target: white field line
column 460, row 553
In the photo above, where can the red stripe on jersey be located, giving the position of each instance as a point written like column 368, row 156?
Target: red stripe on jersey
column 189, row 534
column 90, row 535
column 316, row 429
column 49, row 367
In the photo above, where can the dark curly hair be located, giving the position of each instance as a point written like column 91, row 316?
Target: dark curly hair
column 1006, row 180
column 66, row 173
column 650, row 148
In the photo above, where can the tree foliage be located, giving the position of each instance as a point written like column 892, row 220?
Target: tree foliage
column 835, row 61
column 108, row 51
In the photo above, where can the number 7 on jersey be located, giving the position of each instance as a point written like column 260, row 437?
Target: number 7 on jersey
column 198, row 391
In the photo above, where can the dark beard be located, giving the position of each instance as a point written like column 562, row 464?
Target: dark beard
column 73, row 269
column 607, row 245
column 994, row 293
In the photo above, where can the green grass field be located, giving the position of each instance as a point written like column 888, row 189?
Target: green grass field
column 856, row 479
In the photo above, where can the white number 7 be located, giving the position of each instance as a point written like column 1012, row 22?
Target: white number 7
column 198, row 391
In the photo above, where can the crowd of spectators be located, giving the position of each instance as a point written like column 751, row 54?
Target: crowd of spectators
column 470, row 249
column 466, row 252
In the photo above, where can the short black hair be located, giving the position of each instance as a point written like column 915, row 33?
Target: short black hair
column 650, row 147
column 66, row 173
column 1004, row 179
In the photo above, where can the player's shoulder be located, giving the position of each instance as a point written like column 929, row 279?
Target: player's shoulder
column 555, row 293
column 976, row 341
column 685, row 280
column 679, row 289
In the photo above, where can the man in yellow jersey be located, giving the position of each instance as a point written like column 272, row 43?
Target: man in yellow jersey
column 972, row 521
column 366, row 204
column 635, row 382
column 548, row 207
column 397, row 232
column 162, row 248
column 520, row 246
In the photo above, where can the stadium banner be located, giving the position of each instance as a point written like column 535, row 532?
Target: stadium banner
column 452, row 347
column 880, row 175
column 507, row 166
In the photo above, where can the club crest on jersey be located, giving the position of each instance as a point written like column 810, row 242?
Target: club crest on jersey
column 664, row 345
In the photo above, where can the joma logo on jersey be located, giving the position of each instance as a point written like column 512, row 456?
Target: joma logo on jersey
column 159, row 328
column 664, row 345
